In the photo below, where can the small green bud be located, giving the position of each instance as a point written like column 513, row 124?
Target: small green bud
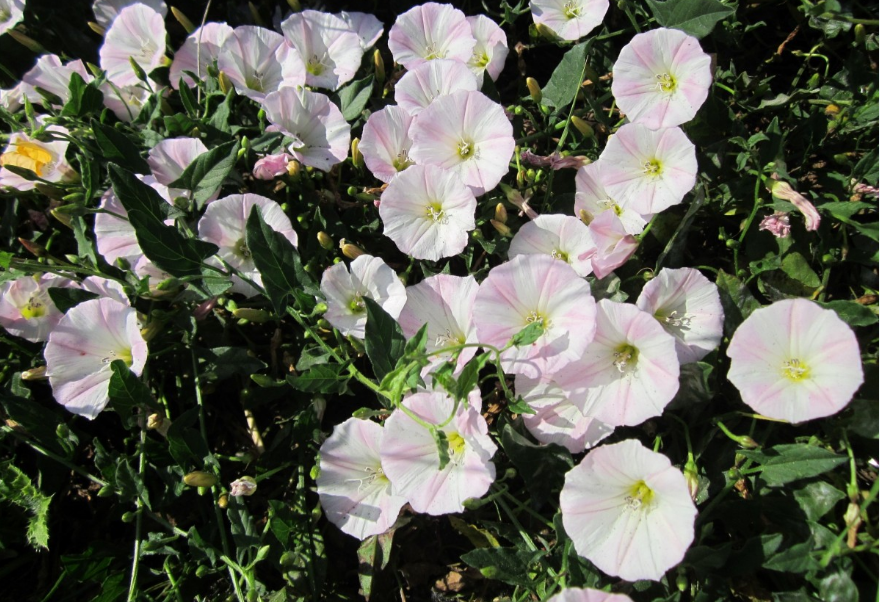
column 252, row 315
column 732, row 243
column 138, row 70
column 860, row 34
column 129, row 517
column 199, row 478
column 106, row 491
column 325, row 240
column 183, row 20
column 502, row 229
column 378, row 67
column 321, row 308
column 97, row 28
column 202, row 571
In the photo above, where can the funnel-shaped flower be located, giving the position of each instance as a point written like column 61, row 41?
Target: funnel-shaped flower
column 614, row 246
column 11, row 12
column 592, row 198
column 106, row 11
column 385, row 144
column 259, row 61
column 688, row 307
column 430, row 31
column 491, row 49
column 536, row 288
column 652, row 169
column 345, row 292
column 468, row 134
column 200, row 50
column 628, row 511
column 52, row 76
column 569, row 19
column 331, row 50
column 561, row 237
column 354, row 491
column 575, row 594
column 421, row 85
column 126, row 102
column 169, row 158
column 84, row 344
column 27, row 310
column 368, row 28
column 321, row 134
column 428, row 212
column 137, row 34
column 795, row 361
column 661, row 78
column 411, row 459
column 224, row 224
column 45, row 159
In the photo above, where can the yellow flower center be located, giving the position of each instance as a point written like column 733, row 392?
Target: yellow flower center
column 571, row 10
column 432, row 53
column 314, row 66
column 639, row 495
column 625, row 358
column 402, row 161
column 481, row 59
column 796, row 370
column 436, row 214
column 35, row 308
column 241, row 250
column 559, row 254
column 456, row 444
column 666, row 82
column 465, row 149
column 28, row 155
column 652, row 167
column 120, row 354
column 536, row 316
column 357, row 305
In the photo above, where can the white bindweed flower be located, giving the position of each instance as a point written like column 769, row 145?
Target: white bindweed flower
column 84, row 344
column 368, row 28
column 592, row 198
column 421, row 85
column 259, row 61
column 561, row 237
column 51, row 75
column 106, row 11
column 137, row 34
column 330, row 49
column 386, row 143
column 569, row 19
column 575, row 594
column 44, row 156
column 11, row 12
column 126, row 102
column 491, row 49
column 200, row 50
column 430, row 31
column 27, row 310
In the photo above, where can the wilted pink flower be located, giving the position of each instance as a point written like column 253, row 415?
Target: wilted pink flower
column 422, row 84
column 84, row 344
column 569, row 19
column 468, row 134
column 345, row 291
column 574, row 594
column 106, row 11
column 795, row 361
column 430, row 31
column 137, row 34
column 411, row 460
column 783, row 190
column 201, row 49
column 330, row 49
column 536, row 288
column 45, row 159
column 27, row 310
column 614, row 246
column 661, row 78
column 259, row 61
column 561, row 237
column 862, row 188
column 630, row 369
column 652, row 169
column 354, row 491
column 321, row 134
column 11, row 12
column 52, row 76
column 368, row 28
column 491, row 49
column 271, row 166
column 385, row 143
column 428, row 212
column 224, row 224
column 244, row 486
column 554, row 161
column 592, row 198
column 628, row 511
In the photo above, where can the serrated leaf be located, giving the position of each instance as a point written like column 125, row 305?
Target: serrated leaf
column 163, row 245
column 783, row 464
column 118, row 148
column 324, row 378
column 694, row 17
column 566, row 78
column 205, row 176
column 354, row 97
column 65, row 298
column 384, row 340
column 16, row 487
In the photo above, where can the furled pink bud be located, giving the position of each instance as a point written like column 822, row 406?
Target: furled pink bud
column 271, row 166
column 783, row 190
column 778, row 224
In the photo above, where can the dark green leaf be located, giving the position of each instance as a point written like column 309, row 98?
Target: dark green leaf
column 224, row 362
column 324, row 378
column 694, row 17
column 865, row 420
column 163, row 245
column 312, row 356
column 542, row 467
column 509, row 565
column 373, row 556
column 566, row 79
column 384, row 341
column 220, row 118
column 519, row 406
column 854, row 314
column 442, row 444
column 529, row 334
column 736, row 299
column 16, row 488
column 817, row 499
column 354, row 97
column 416, row 345
column 65, row 298
column 205, row 176
column 789, row 462
column 84, row 98
column 118, row 148
column 188, row 99
column 127, row 392
column 796, row 267
column 470, row 375
column 185, row 443
column 838, row 587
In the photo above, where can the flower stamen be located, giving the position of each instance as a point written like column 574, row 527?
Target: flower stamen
column 796, row 370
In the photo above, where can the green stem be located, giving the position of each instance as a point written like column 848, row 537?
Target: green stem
column 747, row 225
column 136, row 555
column 36, row 446
column 833, row 548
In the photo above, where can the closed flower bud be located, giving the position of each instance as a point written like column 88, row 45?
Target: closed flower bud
column 62, row 217
column 225, row 83
column 150, row 331
column 534, row 90
column 96, row 28
column 378, row 67
column 860, row 34
column 138, row 70
column 36, row 249
column 252, row 315
column 582, row 126
column 38, row 373
column 357, row 159
column 349, row 250
column 26, row 41
column 183, row 20
column 223, row 501
column 255, row 15
column 158, row 423
column 325, row 241
column 502, row 229
column 293, row 169
column 832, row 110
column 692, row 478
column 199, row 478
column 243, row 486
column 500, row 213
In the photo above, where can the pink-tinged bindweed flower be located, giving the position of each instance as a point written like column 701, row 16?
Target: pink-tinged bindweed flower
column 45, row 159
column 27, row 310
column 200, row 50
column 561, row 237
column 784, row 191
column 778, row 223
column 169, row 159
column 557, row 419
column 687, row 306
column 386, row 143
column 446, row 304
column 575, row 594
column 430, row 31
column 53, row 76
column 628, row 511
column 81, row 348
column 428, row 212
column 653, row 170
column 354, row 491
column 421, row 85
column 106, row 11
column 12, row 99
column 569, row 19
column 614, row 245
column 271, row 166
column 592, row 198
column 661, row 78
column 104, row 287
column 367, row 27
column 331, row 50
column 491, row 49
column 126, row 102
column 468, row 134
column 137, row 34
column 411, row 460
column 321, row 136
column 224, row 224
column 345, row 291
column 259, row 61
column 536, row 288
column 11, row 12
column 795, row 361
column 630, row 370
